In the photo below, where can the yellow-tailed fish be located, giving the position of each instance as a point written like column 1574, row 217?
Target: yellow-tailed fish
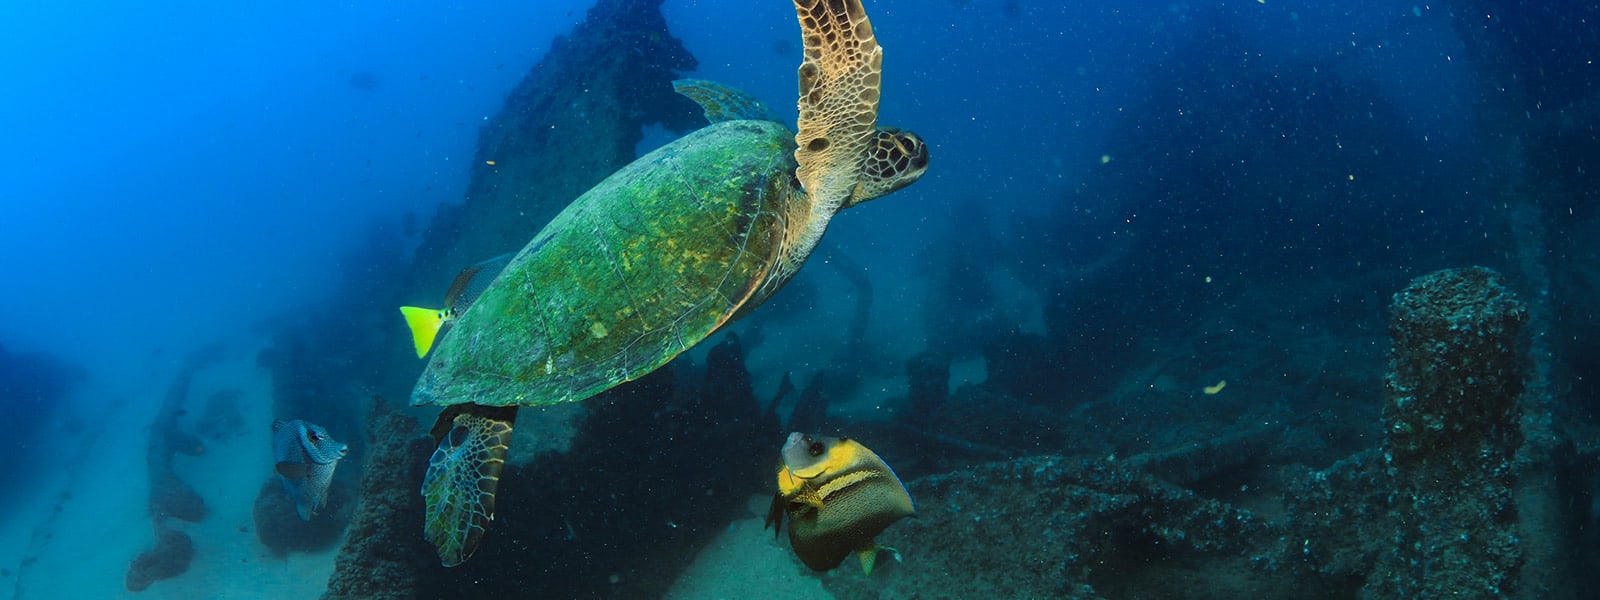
column 426, row 323
column 838, row 496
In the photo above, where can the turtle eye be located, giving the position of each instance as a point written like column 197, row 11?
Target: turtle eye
column 913, row 147
column 905, row 145
column 816, row 448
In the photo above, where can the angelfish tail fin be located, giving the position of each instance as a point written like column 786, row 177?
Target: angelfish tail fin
column 424, row 324
column 463, row 475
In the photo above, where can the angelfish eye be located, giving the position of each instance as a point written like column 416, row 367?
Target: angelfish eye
column 312, row 435
column 816, row 448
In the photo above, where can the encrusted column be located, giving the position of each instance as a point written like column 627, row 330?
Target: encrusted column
column 1456, row 371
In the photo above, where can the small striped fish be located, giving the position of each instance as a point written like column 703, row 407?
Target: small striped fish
column 306, row 456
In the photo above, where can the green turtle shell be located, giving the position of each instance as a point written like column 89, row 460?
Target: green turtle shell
column 638, row 269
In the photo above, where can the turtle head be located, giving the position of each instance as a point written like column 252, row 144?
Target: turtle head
column 894, row 159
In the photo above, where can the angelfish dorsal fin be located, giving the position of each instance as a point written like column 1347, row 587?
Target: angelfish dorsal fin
column 473, row 280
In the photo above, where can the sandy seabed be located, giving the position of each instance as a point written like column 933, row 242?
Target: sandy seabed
column 84, row 523
column 746, row 561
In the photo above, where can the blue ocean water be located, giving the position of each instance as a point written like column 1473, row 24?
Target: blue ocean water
column 203, row 165
column 1127, row 203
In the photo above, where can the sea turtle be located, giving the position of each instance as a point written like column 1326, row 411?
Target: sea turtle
column 657, row 257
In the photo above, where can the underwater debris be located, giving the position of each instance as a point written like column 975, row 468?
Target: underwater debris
column 1452, row 430
column 847, row 366
column 1454, row 369
column 278, row 525
column 640, row 445
column 1111, row 527
column 170, row 496
column 170, row 557
column 729, row 395
column 993, row 418
column 1055, row 527
column 1023, row 366
column 222, row 418
column 383, row 558
column 928, row 379
column 173, row 498
column 573, row 119
column 727, row 383
column 810, row 412
column 769, row 416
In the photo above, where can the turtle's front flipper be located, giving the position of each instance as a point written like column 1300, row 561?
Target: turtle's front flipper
column 463, row 474
column 840, row 79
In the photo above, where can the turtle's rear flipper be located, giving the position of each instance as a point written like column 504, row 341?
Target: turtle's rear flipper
column 463, row 474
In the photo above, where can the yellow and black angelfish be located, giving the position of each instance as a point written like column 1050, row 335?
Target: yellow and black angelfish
column 838, row 496
column 426, row 323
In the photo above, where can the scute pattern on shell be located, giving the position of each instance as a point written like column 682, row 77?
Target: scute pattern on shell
column 637, row 270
